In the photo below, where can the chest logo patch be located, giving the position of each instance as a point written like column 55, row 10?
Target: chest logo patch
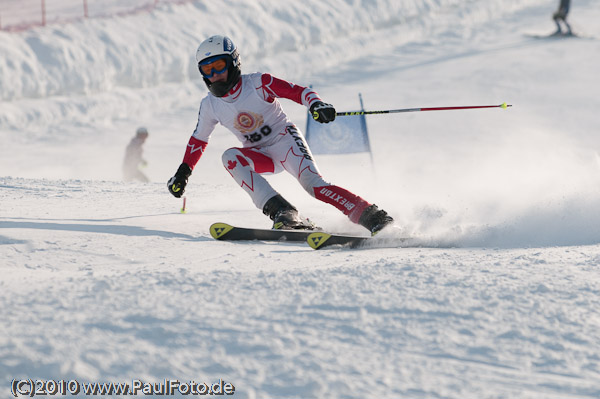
column 247, row 122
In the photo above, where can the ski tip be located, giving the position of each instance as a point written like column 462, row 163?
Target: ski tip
column 219, row 230
column 316, row 240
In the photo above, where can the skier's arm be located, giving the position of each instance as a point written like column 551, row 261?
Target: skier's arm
column 272, row 87
column 194, row 150
column 204, row 128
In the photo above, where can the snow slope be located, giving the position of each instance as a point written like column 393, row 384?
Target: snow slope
column 108, row 281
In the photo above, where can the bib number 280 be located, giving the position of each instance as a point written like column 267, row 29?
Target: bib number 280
column 257, row 136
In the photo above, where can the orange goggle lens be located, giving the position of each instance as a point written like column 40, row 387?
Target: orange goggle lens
column 212, row 67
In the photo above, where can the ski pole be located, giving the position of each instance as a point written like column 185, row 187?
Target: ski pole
column 395, row 111
column 183, row 207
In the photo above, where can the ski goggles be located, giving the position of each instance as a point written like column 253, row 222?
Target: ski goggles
column 213, row 65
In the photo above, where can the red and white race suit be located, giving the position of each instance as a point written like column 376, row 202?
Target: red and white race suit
column 270, row 141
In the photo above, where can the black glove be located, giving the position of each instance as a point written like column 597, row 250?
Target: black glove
column 322, row 113
column 177, row 183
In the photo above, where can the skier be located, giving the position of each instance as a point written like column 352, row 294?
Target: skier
column 134, row 157
column 248, row 106
column 561, row 15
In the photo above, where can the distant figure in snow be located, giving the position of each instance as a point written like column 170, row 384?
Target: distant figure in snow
column 561, row 15
column 134, row 157
column 248, row 106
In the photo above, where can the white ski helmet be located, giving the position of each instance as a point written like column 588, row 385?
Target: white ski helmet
column 141, row 132
column 215, row 48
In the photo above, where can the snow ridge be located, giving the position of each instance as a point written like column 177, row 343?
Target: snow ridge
column 99, row 55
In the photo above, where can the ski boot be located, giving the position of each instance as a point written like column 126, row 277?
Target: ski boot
column 374, row 219
column 285, row 216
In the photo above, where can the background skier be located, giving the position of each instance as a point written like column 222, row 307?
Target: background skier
column 134, row 158
column 561, row 15
column 248, row 106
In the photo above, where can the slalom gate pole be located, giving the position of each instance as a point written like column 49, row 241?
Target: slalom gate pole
column 395, row 111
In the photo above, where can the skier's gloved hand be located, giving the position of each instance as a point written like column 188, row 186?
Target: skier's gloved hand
column 177, row 183
column 322, row 112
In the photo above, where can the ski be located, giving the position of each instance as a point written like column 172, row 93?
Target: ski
column 559, row 35
column 315, row 239
column 318, row 240
column 227, row 232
